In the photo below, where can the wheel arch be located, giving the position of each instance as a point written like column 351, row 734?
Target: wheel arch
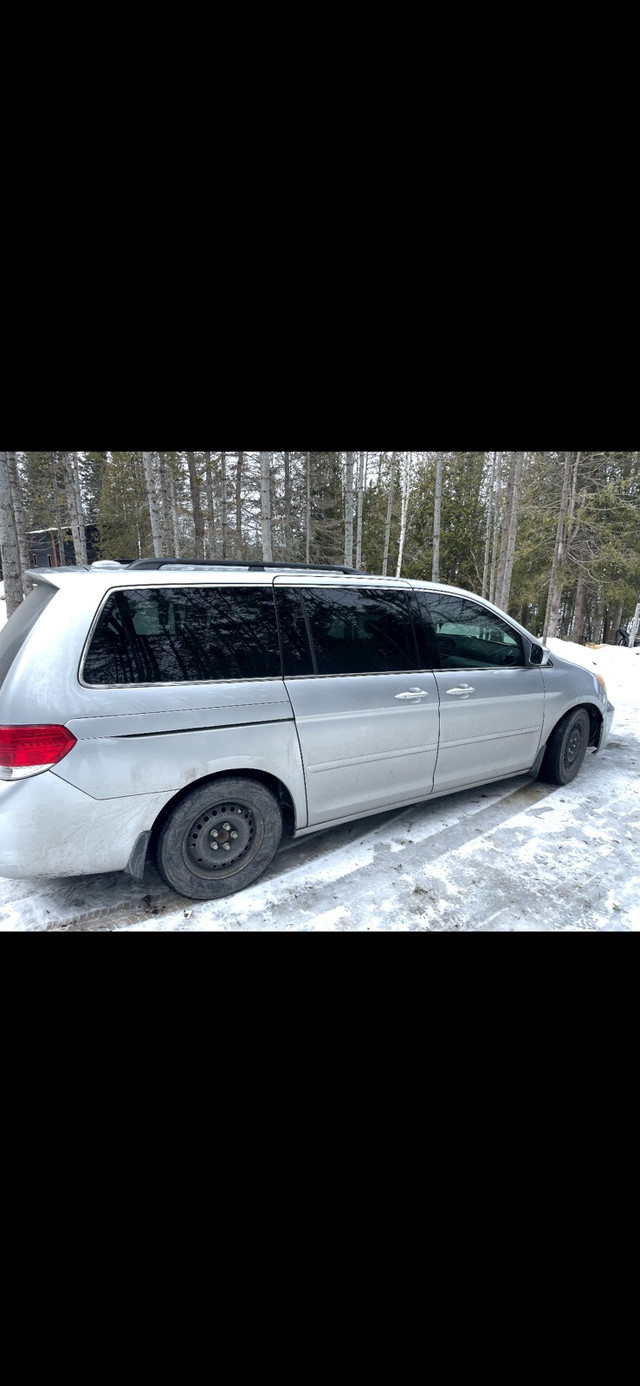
column 277, row 787
column 596, row 720
column 596, row 723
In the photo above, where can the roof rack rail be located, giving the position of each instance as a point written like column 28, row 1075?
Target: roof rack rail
column 156, row 564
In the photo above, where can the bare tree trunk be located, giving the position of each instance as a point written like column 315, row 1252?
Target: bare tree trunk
column 405, row 512
column 288, row 523
column 208, row 486
column 361, row 484
column 9, row 541
column 579, row 613
column 513, row 532
column 555, row 583
column 308, row 515
column 74, row 506
column 437, row 519
column 635, row 626
column 574, row 491
column 506, row 529
column 166, row 508
column 82, row 533
column 615, row 623
column 265, row 498
column 224, row 504
column 198, row 517
column 59, row 561
column 175, row 518
column 349, row 513
column 487, row 547
column 239, row 467
column 387, row 532
column 152, row 502
column 18, row 511
column 496, row 530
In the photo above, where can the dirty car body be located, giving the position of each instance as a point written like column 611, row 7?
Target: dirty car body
column 195, row 713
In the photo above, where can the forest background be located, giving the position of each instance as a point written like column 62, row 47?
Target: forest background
column 551, row 537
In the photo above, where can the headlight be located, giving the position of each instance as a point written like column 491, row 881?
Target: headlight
column 599, row 679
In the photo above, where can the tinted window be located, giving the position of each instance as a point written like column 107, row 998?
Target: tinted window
column 183, row 635
column 297, row 658
column 428, row 656
column 469, row 636
column 358, row 631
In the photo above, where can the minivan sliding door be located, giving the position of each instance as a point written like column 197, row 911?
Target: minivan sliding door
column 367, row 717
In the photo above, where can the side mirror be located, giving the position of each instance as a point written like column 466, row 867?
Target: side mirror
column 540, row 655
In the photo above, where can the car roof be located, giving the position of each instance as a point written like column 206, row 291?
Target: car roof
column 184, row 574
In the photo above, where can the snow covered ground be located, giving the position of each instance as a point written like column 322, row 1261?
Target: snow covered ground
column 514, row 856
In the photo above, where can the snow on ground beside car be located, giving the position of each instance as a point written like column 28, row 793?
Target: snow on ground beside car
column 3, row 607
column 514, row 856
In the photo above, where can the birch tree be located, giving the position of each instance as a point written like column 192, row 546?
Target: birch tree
column 634, row 627
column 514, row 510
column 308, row 514
column 74, row 505
column 509, row 530
column 265, row 499
column 164, row 485
column 9, row 540
column 175, row 547
column 555, row 582
column 349, row 512
column 387, row 532
column 18, row 515
column 58, row 508
column 496, row 530
column 152, row 502
column 437, row 519
column 224, row 504
column 196, row 505
column 239, row 475
column 208, row 486
column 405, row 512
column 487, row 548
column 288, row 526
column 361, row 485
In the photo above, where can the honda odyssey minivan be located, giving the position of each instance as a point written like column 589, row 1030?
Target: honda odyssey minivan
column 191, row 714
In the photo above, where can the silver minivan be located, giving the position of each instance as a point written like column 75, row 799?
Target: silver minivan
column 190, row 714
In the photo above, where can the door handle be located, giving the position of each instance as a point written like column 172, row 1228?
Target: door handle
column 462, row 692
column 412, row 695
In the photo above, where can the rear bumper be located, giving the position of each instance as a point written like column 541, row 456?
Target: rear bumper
column 50, row 828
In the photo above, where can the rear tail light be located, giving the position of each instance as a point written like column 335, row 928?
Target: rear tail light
column 28, row 751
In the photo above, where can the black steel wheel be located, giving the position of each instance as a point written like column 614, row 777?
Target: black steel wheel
column 219, row 838
column 567, row 748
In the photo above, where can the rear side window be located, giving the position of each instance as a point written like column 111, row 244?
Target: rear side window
column 469, row 636
column 184, row 635
column 14, row 634
column 346, row 631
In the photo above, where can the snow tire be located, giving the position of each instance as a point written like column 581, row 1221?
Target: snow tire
column 567, row 748
column 219, row 838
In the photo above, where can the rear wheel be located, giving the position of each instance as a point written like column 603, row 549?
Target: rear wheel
column 219, row 838
column 567, row 748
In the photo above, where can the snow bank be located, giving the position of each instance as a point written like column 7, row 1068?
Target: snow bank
column 620, row 668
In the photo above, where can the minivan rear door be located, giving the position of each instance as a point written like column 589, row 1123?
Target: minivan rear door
column 366, row 714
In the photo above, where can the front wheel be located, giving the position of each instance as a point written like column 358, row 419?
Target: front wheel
column 567, row 748
column 219, row 838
